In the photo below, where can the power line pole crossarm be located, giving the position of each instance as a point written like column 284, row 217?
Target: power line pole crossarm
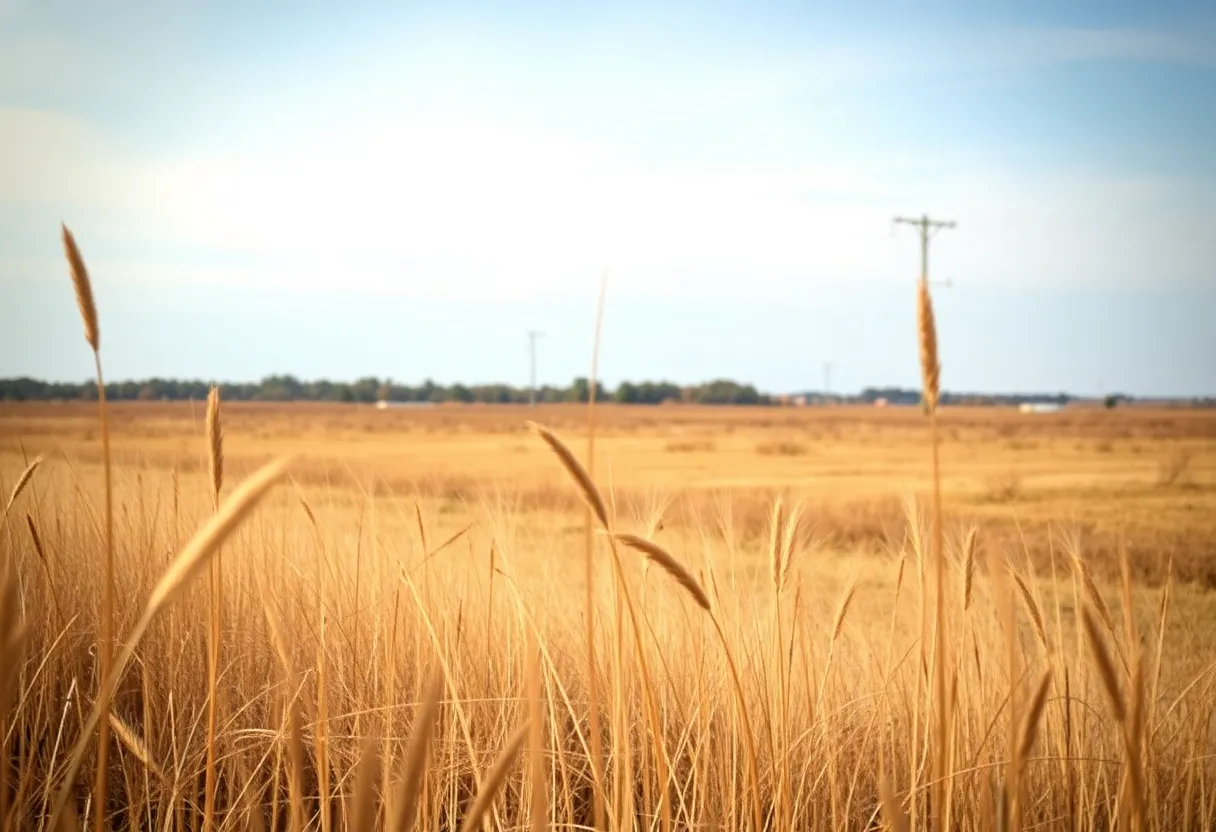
column 927, row 228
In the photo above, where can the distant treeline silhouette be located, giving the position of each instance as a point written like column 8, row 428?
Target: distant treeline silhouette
column 286, row 388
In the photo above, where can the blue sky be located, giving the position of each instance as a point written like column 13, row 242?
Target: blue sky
column 405, row 189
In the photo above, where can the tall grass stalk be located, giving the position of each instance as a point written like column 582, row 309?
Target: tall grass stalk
column 931, row 376
column 593, row 715
column 13, row 634
column 105, row 647
column 215, row 466
column 193, row 559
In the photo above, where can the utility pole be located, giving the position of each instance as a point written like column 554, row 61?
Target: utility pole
column 827, row 381
column 532, row 336
column 928, row 228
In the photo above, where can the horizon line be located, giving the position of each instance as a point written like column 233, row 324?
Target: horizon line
column 608, row 390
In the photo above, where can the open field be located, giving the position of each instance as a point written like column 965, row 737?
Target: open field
column 406, row 539
column 1143, row 477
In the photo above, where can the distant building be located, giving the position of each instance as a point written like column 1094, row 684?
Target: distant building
column 1038, row 407
column 385, row 405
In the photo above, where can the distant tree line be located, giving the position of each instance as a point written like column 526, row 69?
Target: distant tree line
column 286, row 388
column 367, row 390
column 899, row 395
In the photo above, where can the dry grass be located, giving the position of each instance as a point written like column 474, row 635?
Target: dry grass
column 105, row 646
column 1004, row 488
column 386, row 597
column 926, row 330
column 782, row 447
column 803, row 657
column 690, row 446
column 215, row 467
column 1172, row 469
column 668, row 564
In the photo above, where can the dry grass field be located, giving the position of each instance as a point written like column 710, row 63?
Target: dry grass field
column 406, row 540
column 225, row 616
column 1146, row 478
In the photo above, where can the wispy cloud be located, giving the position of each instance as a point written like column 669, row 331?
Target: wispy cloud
column 443, row 208
column 483, row 160
column 950, row 51
column 736, row 179
column 1070, row 45
column 1015, row 48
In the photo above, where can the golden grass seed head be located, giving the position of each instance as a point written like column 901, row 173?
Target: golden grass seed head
column 136, row 746
column 22, row 482
column 308, row 512
column 775, row 548
column 843, row 610
column 84, row 290
column 421, row 525
column 930, row 368
column 1092, row 593
column 668, row 564
column 793, row 529
column 579, row 474
column 968, row 566
column 215, row 441
column 1032, row 608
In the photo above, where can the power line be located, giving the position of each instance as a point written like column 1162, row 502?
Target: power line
column 532, row 336
column 928, row 228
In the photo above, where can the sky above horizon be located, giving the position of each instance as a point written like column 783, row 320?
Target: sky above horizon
column 404, row 190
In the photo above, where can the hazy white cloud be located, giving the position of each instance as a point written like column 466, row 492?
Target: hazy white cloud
column 731, row 181
column 51, row 157
column 487, row 203
column 444, row 208
column 330, row 180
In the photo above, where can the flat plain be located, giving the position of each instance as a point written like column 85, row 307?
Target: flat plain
column 1143, row 477
column 452, row 536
